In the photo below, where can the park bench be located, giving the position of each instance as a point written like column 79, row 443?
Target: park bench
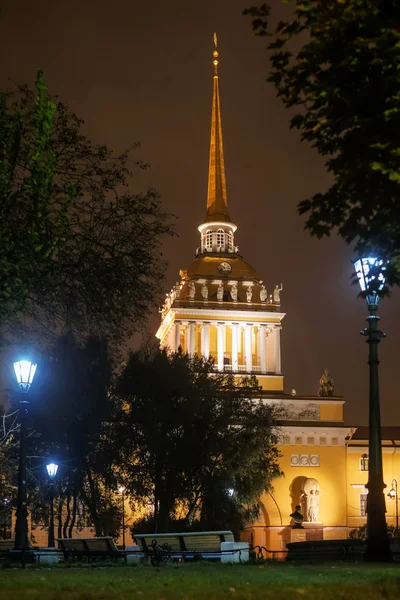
column 160, row 547
column 90, row 548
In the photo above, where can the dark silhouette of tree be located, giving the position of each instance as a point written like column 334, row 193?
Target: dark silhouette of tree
column 80, row 247
column 188, row 434
column 69, row 420
column 337, row 64
column 32, row 224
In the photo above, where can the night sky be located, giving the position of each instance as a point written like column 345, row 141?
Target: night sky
column 142, row 71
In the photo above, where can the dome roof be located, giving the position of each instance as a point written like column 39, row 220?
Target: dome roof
column 207, row 267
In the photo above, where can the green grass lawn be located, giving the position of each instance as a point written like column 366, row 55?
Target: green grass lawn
column 205, row 580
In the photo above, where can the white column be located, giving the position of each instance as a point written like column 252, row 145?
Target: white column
column 205, row 340
column 248, row 347
column 263, row 349
column 191, row 339
column 235, row 329
column 270, row 349
column 277, row 336
column 177, row 340
column 220, row 346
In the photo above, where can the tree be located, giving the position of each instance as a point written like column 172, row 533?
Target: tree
column 69, row 421
column 105, row 272
column 187, row 434
column 337, row 63
column 31, row 222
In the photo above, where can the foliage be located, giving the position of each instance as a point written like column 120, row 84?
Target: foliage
column 360, row 532
column 31, row 222
column 104, row 273
column 186, row 434
column 69, row 422
column 337, row 64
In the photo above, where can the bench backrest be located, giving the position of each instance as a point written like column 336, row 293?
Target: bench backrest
column 72, row 545
column 202, row 541
column 97, row 545
column 172, row 540
column 87, row 545
column 211, row 543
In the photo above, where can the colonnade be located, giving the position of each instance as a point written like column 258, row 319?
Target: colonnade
column 256, row 346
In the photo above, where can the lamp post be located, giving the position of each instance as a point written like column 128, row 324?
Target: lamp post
column 24, row 372
column 393, row 496
column 52, row 469
column 370, row 273
column 121, row 490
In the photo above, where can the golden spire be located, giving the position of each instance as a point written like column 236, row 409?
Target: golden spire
column 217, row 204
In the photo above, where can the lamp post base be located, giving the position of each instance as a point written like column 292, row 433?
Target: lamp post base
column 377, row 552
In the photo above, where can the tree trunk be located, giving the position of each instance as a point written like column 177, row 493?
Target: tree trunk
column 91, row 503
column 155, row 509
column 74, row 508
column 164, row 512
column 59, row 516
column 193, row 507
column 66, row 523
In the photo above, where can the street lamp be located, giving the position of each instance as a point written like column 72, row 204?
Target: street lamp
column 370, row 274
column 25, row 372
column 121, row 490
column 52, row 469
column 393, row 496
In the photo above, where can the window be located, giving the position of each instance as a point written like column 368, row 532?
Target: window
column 230, row 241
column 220, row 239
column 364, row 462
column 363, row 505
column 208, row 240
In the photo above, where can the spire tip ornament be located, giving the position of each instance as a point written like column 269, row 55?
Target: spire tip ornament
column 215, row 55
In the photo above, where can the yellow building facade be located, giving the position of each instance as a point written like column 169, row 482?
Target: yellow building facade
column 220, row 308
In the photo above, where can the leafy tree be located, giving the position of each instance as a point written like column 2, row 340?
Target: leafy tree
column 187, row 434
column 337, row 64
column 69, row 420
column 105, row 272
column 31, row 221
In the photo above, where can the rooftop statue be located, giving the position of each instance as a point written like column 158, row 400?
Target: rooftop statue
column 263, row 294
column 277, row 294
column 326, row 384
column 192, row 290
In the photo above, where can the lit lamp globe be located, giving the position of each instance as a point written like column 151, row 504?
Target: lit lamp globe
column 392, row 493
column 24, row 372
column 52, row 469
column 371, row 278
